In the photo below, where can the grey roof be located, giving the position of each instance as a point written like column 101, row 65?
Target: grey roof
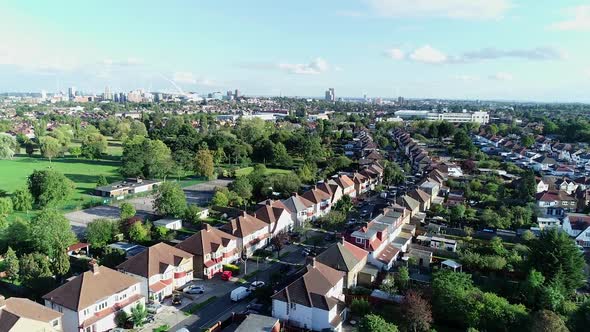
column 410, row 202
column 257, row 323
column 294, row 204
column 338, row 257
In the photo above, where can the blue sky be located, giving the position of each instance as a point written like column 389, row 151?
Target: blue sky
column 475, row 49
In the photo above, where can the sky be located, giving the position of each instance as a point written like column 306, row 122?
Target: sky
column 455, row 49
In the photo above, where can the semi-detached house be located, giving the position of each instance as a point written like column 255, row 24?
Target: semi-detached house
column 314, row 301
column 90, row 301
column 23, row 315
column 251, row 233
column 161, row 269
column 212, row 248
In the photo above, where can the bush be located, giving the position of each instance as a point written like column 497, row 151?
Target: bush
column 121, row 318
column 233, row 268
column 360, row 307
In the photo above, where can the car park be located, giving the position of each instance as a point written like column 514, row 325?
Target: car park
column 194, row 289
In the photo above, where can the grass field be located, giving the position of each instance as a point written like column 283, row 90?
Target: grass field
column 84, row 173
column 248, row 170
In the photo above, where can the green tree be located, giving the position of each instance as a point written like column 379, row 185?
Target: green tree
column 11, row 264
column 219, row 199
column 192, row 215
column 101, row 232
column 49, row 187
column 392, row 174
column 403, row 277
column 555, row 255
column 126, row 211
column 50, row 147
column 6, row 206
column 61, row 264
column 102, row 181
column 75, row 151
column 146, row 158
column 8, row 146
column 580, row 319
column 94, row 146
column 457, row 212
column 242, row 187
column 121, row 318
column 388, row 285
column 528, row 141
column 137, row 128
column 138, row 315
column 170, row 200
column 360, row 307
column 204, row 164
column 344, row 204
column 51, row 233
column 138, row 232
column 280, row 156
column 112, row 257
column 35, row 272
column 375, row 323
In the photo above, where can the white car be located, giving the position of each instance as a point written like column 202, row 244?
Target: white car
column 256, row 284
column 194, row 289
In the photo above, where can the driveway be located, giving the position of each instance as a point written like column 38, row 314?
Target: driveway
column 200, row 194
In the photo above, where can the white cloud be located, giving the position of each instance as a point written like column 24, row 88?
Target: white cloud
column 579, row 22
column 502, row 76
column 395, row 53
column 428, row 54
column 462, row 9
column 317, row 66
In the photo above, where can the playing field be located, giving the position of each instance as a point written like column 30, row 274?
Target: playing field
column 84, row 173
column 248, row 170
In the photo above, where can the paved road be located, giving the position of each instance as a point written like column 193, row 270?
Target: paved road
column 222, row 308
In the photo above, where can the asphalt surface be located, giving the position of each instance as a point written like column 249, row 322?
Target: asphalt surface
column 223, row 307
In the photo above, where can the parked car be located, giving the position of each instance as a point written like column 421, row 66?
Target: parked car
column 255, row 306
column 329, row 237
column 176, row 299
column 194, row 289
column 256, row 284
column 226, row 275
column 308, row 252
column 239, row 293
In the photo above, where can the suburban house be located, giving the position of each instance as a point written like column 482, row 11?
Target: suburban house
column 90, row 301
column 346, row 183
column 259, row 323
column 443, row 243
column 20, row 314
column 276, row 215
column 345, row 257
column 548, row 223
column 422, row 197
column 566, row 185
column 542, row 163
column 301, row 209
column 361, row 183
column 577, row 225
column 322, row 201
column 314, row 301
column 127, row 187
column 251, row 233
column 212, row 249
column 161, row 269
column 541, row 185
column 430, row 187
column 384, row 237
column 409, row 203
column 556, row 202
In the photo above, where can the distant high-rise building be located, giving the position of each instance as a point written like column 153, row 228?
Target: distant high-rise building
column 43, row 95
column 122, row 97
column 116, row 97
column 237, row 94
column 72, row 92
column 107, row 94
column 330, row 95
column 401, row 101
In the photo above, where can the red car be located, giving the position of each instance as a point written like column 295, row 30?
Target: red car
column 226, row 275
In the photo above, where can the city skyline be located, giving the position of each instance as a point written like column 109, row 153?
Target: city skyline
column 490, row 50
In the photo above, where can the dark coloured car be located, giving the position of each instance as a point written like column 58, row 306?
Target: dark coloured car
column 176, row 299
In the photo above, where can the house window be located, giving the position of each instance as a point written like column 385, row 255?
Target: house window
column 122, row 297
column 55, row 323
column 86, row 312
column 359, row 240
column 101, row 306
column 293, row 305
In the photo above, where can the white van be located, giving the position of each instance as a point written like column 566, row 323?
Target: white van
column 239, row 293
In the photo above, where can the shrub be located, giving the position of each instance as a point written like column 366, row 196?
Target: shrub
column 231, row 267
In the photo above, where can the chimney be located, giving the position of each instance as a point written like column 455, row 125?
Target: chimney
column 94, row 267
column 268, row 202
column 207, row 227
column 310, row 261
column 243, row 213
